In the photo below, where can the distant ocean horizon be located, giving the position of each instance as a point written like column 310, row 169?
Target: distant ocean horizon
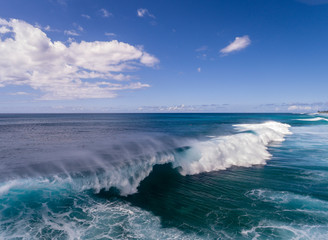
column 163, row 176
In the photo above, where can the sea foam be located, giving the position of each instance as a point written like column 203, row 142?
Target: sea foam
column 246, row 148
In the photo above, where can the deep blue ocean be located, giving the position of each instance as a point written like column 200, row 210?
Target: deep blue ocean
column 163, row 176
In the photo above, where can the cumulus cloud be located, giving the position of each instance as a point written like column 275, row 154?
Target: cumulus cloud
column 143, row 12
column 238, row 44
column 4, row 29
column 80, row 70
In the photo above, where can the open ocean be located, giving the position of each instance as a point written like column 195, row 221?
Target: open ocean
column 163, row 176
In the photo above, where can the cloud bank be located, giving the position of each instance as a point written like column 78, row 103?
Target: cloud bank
column 238, row 108
column 238, row 44
column 80, row 70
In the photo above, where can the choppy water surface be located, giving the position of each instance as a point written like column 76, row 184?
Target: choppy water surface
column 163, row 176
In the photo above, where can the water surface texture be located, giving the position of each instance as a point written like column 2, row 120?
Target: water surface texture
column 163, row 176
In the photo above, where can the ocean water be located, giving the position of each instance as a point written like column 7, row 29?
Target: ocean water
column 163, row 176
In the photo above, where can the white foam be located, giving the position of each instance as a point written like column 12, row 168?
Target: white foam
column 295, row 202
column 313, row 119
column 87, row 218
column 4, row 189
column 242, row 149
column 280, row 230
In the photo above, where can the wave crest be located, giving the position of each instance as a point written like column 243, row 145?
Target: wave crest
column 246, row 148
column 313, row 119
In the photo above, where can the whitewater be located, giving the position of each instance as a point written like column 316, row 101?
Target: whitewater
column 159, row 176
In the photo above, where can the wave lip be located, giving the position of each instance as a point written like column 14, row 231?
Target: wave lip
column 246, row 148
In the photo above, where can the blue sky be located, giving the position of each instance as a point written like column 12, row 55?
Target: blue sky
column 163, row 56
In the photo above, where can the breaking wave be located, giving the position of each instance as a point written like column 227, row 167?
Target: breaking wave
column 247, row 147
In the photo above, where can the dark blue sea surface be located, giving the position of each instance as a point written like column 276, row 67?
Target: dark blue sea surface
column 163, row 176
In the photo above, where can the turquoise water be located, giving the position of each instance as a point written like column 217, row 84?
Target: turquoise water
column 163, row 176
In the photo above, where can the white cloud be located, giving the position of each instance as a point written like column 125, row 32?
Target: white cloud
column 238, row 44
column 199, row 69
column 202, row 52
column 71, row 33
column 185, row 108
column 85, row 16
column 105, row 13
column 4, row 29
column 143, row 12
column 47, row 28
column 78, row 27
column 175, row 108
column 79, row 70
column 19, row 93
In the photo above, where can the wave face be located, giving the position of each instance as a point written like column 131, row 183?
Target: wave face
column 163, row 176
